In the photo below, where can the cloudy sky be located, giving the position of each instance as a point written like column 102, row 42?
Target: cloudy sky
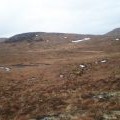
column 72, row 16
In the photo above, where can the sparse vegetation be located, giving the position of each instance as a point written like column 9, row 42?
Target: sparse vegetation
column 60, row 80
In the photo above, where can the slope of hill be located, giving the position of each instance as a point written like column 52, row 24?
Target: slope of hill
column 26, row 37
column 115, row 32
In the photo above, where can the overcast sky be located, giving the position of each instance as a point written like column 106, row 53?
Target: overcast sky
column 71, row 16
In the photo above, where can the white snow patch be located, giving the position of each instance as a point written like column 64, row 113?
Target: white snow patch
column 65, row 37
column 103, row 61
column 117, row 39
column 82, row 66
column 36, row 35
column 86, row 38
column 75, row 41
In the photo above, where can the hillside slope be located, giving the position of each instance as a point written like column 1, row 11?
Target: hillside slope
column 115, row 32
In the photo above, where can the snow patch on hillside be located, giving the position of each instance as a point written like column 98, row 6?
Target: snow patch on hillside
column 76, row 41
column 117, row 39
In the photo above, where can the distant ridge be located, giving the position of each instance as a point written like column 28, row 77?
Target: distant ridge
column 3, row 39
column 26, row 37
column 114, row 32
column 42, row 36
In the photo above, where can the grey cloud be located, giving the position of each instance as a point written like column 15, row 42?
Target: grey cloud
column 74, row 16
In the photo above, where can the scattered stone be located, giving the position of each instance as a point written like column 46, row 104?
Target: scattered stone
column 82, row 66
column 5, row 68
column 106, row 95
column 33, row 78
column 61, row 76
column 101, row 96
column 65, row 37
column 116, row 112
column 109, row 117
column 1, row 67
column 96, row 62
column 103, row 61
column 87, row 96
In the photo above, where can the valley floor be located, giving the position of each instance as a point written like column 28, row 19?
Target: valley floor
column 65, row 82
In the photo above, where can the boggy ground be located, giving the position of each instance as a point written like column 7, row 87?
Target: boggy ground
column 67, row 81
